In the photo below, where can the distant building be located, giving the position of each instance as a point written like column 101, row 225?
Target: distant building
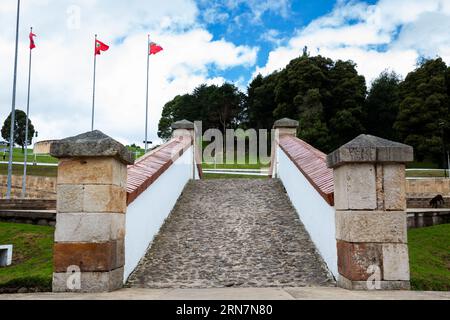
column 43, row 147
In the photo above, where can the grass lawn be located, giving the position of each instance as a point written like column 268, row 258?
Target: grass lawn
column 235, row 166
column 18, row 156
column 211, row 176
column 429, row 250
column 32, row 256
column 40, row 171
column 425, row 174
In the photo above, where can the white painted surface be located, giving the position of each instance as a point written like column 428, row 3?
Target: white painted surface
column 146, row 215
column 314, row 212
column 6, row 255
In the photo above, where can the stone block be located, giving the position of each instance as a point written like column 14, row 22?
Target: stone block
column 354, row 259
column 183, row 125
column 396, row 262
column 90, row 145
column 345, row 283
column 104, row 198
column 355, row 187
column 287, row 132
column 92, row 171
column 394, row 186
column 367, row 148
column 90, row 282
column 371, row 226
column 89, row 257
column 89, row 227
column 70, row 198
column 286, row 123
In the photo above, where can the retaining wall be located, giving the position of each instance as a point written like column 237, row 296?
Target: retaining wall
column 37, row 187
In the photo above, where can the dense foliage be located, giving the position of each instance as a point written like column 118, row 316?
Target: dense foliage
column 217, row 107
column 423, row 119
column 19, row 127
column 332, row 103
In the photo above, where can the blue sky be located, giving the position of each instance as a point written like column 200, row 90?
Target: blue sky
column 273, row 28
column 253, row 33
column 205, row 41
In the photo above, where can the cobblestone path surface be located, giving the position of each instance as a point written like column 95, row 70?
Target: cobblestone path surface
column 232, row 233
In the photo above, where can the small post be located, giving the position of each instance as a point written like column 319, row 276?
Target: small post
column 280, row 128
column 91, row 206
column 93, row 86
column 371, row 221
column 25, row 164
column 13, row 108
column 185, row 129
column 146, row 97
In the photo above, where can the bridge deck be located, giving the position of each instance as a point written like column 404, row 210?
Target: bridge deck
column 232, row 233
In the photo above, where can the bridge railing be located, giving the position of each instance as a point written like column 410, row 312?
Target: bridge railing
column 154, row 185
column 310, row 186
column 110, row 208
column 353, row 204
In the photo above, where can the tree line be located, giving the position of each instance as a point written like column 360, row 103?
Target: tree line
column 332, row 103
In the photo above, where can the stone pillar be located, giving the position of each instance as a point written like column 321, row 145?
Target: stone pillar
column 183, row 128
column 371, row 220
column 91, row 206
column 281, row 127
column 286, row 127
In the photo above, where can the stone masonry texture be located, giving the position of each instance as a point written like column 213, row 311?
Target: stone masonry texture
column 232, row 233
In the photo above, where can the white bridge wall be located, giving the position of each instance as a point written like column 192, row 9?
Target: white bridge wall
column 315, row 213
column 146, row 215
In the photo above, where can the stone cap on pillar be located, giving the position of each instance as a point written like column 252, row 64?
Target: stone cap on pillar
column 286, row 123
column 183, row 125
column 367, row 148
column 91, row 144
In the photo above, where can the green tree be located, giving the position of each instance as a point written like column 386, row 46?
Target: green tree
column 334, row 91
column 260, row 103
column 345, row 103
column 19, row 129
column 314, row 130
column 382, row 106
column 219, row 107
column 424, row 111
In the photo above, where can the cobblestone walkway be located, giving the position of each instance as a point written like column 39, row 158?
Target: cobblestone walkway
column 232, row 233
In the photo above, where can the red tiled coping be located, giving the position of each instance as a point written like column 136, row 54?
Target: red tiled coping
column 149, row 168
column 312, row 163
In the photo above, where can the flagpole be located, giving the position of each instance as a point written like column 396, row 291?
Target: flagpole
column 13, row 108
column 93, row 91
column 146, row 100
column 24, row 178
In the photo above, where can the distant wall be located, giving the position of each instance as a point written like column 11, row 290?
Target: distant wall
column 42, row 147
column 429, row 187
column 37, row 187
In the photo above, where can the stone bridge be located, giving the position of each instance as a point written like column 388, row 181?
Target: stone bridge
column 336, row 220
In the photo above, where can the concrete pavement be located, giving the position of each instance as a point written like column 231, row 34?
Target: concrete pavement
column 305, row 293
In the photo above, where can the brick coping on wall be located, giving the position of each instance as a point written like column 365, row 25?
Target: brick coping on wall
column 312, row 163
column 150, row 167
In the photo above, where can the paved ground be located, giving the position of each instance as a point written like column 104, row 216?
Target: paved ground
column 232, row 233
column 322, row 293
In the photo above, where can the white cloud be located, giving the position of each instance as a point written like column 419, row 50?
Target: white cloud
column 63, row 61
column 390, row 34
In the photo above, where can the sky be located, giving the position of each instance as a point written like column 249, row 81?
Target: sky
column 204, row 41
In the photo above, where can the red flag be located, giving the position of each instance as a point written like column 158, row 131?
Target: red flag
column 32, row 44
column 100, row 46
column 155, row 48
